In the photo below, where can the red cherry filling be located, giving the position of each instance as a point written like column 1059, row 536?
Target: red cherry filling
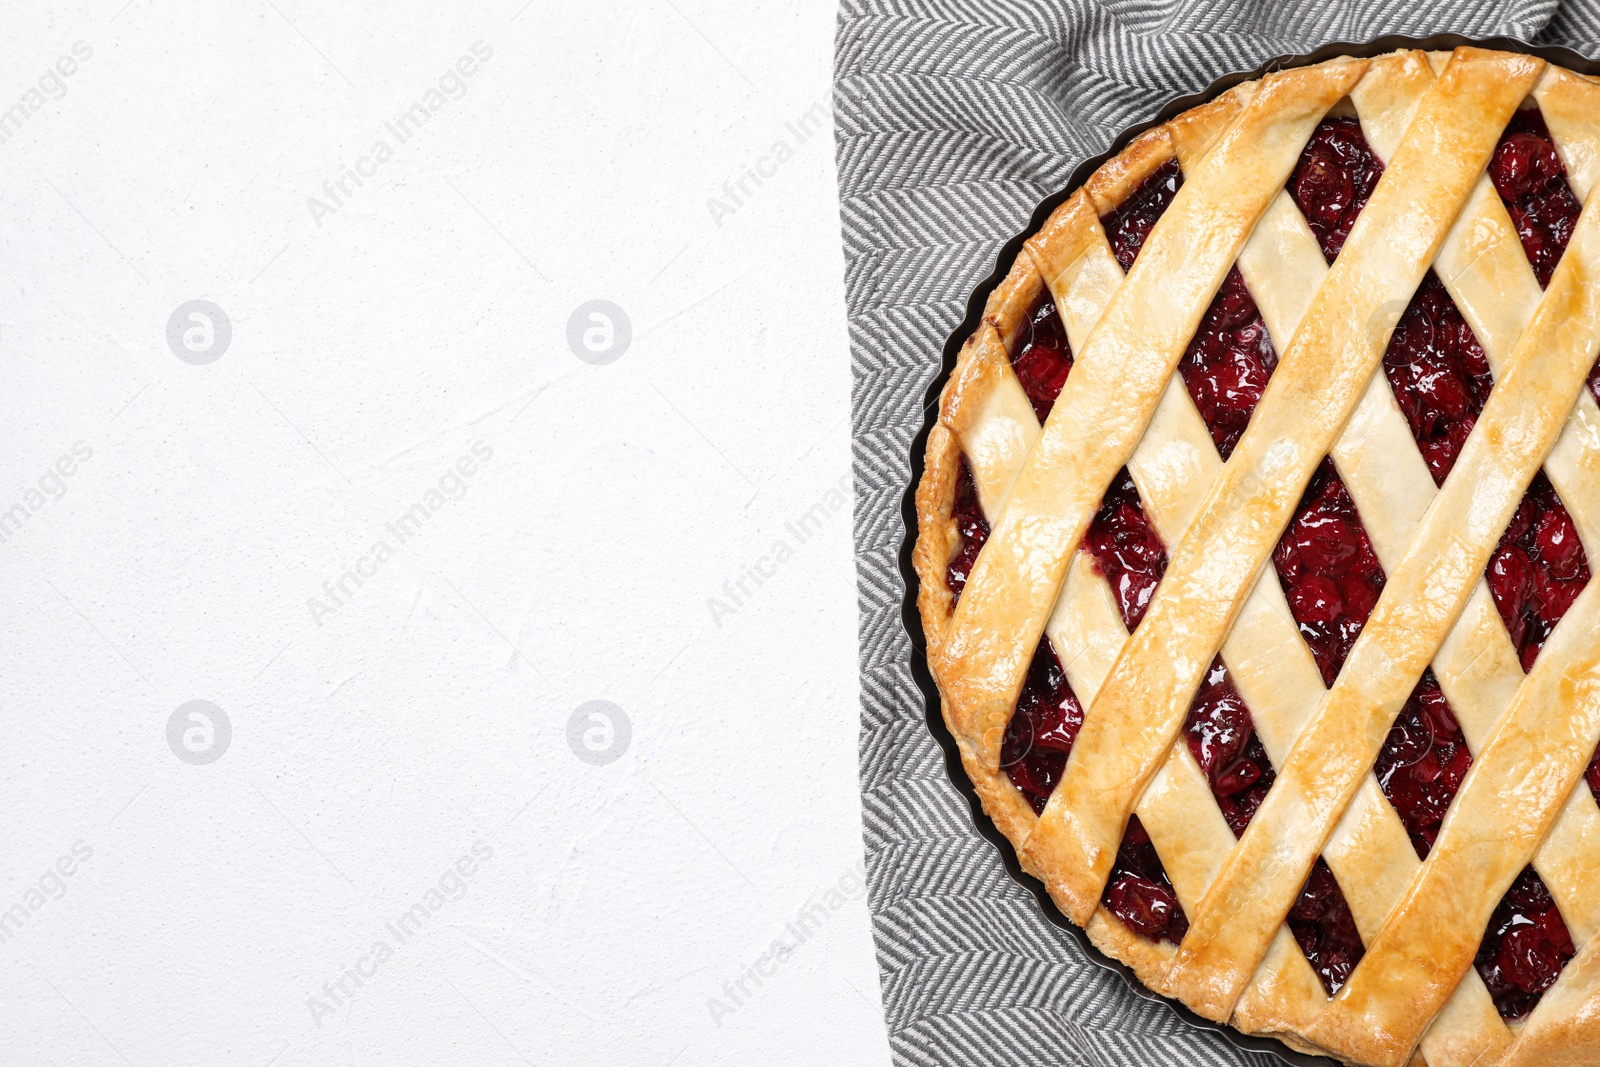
column 1336, row 174
column 1041, row 360
column 1439, row 375
column 971, row 524
column 1042, row 728
column 1538, row 570
column 1125, row 549
column 1329, row 572
column 1422, row 762
column 1591, row 775
column 1221, row 735
column 1228, row 362
column 1441, row 381
column 1042, row 357
column 1528, row 175
column 1128, row 226
column 1524, row 948
column 1420, row 768
column 1039, row 736
column 1222, row 738
column 1139, row 892
column 1324, row 928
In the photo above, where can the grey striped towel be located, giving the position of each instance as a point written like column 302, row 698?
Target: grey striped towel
column 954, row 118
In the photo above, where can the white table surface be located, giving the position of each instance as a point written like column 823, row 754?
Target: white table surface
column 177, row 529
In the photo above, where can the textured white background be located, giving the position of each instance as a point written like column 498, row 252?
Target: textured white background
column 429, row 711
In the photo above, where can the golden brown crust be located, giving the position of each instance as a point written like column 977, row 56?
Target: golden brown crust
column 1196, row 130
column 1564, row 1030
column 936, row 534
column 1278, row 1002
column 1011, row 301
column 1120, row 175
column 1064, row 237
column 1148, row 959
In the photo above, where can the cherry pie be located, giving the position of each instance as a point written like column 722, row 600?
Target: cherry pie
column 1254, row 553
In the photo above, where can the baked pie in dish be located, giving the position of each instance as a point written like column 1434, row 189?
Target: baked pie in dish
column 1254, row 544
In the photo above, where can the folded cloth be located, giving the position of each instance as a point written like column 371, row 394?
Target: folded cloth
column 954, row 118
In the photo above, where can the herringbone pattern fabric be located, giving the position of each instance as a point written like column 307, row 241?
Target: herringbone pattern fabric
column 954, row 118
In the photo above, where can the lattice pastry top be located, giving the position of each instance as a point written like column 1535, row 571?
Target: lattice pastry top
column 1253, row 546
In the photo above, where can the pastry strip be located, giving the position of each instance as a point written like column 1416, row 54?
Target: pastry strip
column 1564, row 1029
